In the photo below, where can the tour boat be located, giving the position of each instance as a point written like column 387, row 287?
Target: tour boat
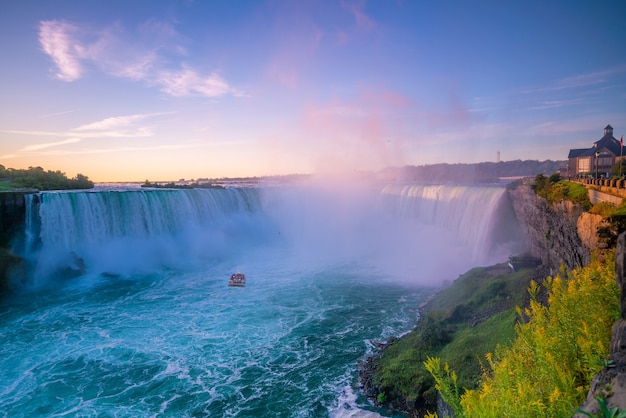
column 237, row 279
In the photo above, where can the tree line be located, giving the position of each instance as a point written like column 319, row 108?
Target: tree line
column 40, row 179
column 485, row 172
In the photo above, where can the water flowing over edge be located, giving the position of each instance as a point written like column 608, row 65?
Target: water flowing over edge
column 122, row 231
column 330, row 269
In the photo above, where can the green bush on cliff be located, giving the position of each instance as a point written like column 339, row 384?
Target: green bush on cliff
column 548, row 369
column 554, row 190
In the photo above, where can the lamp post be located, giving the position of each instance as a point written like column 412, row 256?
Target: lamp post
column 597, row 155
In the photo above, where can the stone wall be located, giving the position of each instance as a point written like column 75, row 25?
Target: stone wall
column 616, row 187
column 596, row 196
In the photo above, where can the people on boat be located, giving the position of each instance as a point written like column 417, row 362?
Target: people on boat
column 237, row 279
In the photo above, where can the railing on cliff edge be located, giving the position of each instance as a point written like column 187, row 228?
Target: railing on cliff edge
column 604, row 190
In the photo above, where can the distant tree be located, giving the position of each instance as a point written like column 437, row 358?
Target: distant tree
column 81, row 182
column 540, row 185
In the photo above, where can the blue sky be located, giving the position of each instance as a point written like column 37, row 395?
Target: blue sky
column 163, row 90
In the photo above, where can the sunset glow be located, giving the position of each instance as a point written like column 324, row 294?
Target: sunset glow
column 163, row 90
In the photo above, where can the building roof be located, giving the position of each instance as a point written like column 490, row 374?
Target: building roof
column 607, row 142
column 573, row 153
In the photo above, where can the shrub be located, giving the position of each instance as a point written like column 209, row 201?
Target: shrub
column 553, row 189
column 549, row 367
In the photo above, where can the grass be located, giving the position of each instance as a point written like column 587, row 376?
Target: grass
column 480, row 288
column 470, row 345
column 555, row 190
column 460, row 324
column 576, row 192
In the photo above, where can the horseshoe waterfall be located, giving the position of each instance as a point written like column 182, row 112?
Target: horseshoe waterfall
column 126, row 310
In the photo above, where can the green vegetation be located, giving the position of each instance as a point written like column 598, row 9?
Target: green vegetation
column 553, row 189
column 38, row 178
column 548, row 368
column 472, row 316
column 605, row 412
column 619, row 169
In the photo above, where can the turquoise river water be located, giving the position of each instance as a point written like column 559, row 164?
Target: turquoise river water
column 127, row 313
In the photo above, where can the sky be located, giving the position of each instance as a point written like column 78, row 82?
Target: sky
column 180, row 89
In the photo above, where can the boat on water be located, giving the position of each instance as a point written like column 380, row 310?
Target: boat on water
column 237, row 280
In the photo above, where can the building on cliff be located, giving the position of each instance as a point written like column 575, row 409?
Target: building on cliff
column 597, row 160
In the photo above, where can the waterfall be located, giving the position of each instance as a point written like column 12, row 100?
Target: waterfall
column 399, row 227
column 473, row 213
column 125, row 230
column 71, row 219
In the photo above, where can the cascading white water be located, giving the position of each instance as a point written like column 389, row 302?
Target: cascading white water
column 162, row 334
column 73, row 219
column 125, row 231
column 470, row 211
column 122, row 231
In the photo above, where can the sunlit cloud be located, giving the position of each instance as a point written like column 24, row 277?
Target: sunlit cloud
column 580, row 81
column 7, row 156
column 187, row 82
column 114, row 127
column 113, row 123
column 147, row 148
column 38, row 147
column 148, row 56
column 49, row 115
column 58, row 39
column 553, row 104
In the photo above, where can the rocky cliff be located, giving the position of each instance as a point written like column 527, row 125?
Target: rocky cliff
column 559, row 233
column 565, row 233
column 610, row 384
column 12, row 214
column 12, row 217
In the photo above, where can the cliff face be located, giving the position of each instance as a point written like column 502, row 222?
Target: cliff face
column 12, row 214
column 560, row 233
column 610, row 383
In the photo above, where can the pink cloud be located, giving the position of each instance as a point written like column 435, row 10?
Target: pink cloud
column 362, row 20
column 380, row 128
column 58, row 39
column 368, row 132
column 294, row 52
column 296, row 37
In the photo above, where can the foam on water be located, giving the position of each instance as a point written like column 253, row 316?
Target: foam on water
column 182, row 343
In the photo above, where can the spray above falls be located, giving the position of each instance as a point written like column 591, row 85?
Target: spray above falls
column 418, row 233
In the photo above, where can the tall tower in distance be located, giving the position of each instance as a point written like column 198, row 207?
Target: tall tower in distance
column 498, row 156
